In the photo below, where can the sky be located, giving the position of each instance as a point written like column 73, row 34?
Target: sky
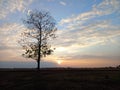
column 88, row 33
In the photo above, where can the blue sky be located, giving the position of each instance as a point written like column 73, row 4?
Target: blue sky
column 88, row 32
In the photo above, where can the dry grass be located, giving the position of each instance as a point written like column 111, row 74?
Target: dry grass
column 60, row 79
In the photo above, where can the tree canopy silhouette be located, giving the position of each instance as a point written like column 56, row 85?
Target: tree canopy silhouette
column 41, row 29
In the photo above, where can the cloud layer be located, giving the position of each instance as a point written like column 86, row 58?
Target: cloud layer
column 86, row 35
column 87, row 30
column 62, row 3
column 10, row 6
column 9, row 35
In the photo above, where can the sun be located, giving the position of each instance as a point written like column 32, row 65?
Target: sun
column 59, row 62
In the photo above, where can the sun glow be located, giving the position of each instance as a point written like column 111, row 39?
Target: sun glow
column 59, row 62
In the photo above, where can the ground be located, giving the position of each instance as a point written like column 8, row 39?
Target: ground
column 60, row 79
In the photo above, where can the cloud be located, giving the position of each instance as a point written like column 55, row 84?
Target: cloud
column 62, row 3
column 80, row 31
column 100, row 32
column 87, row 30
column 83, row 31
column 107, row 7
column 9, row 35
column 10, row 6
column 104, row 8
column 50, row 0
column 78, row 18
column 30, row 64
column 92, row 57
column 9, row 54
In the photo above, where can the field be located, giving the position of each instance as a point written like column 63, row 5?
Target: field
column 60, row 79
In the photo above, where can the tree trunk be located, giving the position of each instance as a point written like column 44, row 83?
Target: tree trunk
column 38, row 62
column 39, row 52
column 38, row 66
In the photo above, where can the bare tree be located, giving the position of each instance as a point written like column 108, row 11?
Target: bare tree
column 41, row 29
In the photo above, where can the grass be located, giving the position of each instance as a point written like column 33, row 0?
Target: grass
column 60, row 79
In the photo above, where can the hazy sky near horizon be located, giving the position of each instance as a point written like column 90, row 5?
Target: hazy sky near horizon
column 88, row 32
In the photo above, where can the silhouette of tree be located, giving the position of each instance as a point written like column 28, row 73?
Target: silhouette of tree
column 35, row 40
